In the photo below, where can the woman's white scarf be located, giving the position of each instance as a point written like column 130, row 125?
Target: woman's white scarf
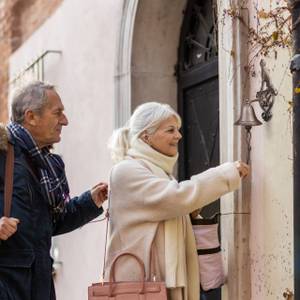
column 178, row 232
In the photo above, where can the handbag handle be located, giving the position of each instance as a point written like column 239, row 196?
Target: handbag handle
column 112, row 277
column 8, row 186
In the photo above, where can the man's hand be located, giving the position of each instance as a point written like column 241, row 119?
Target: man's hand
column 8, row 226
column 195, row 213
column 99, row 193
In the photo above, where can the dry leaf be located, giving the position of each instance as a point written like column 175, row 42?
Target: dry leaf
column 262, row 14
column 275, row 35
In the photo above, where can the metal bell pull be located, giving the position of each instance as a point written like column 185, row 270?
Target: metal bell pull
column 248, row 119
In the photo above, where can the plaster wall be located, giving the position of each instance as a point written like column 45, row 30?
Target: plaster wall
column 271, row 237
column 271, row 231
column 86, row 32
column 257, row 223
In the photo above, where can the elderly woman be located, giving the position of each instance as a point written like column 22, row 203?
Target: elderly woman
column 149, row 209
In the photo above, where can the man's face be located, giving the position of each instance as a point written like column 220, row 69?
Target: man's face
column 45, row 127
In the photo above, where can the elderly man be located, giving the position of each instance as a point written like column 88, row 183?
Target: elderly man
column 41, row 206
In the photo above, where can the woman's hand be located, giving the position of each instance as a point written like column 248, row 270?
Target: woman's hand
column 242, row 168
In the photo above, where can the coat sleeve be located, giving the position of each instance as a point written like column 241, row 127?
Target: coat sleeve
column 78, row 211
column 133, row 186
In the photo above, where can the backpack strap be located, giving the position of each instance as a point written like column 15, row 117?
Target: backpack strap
column 8, row 185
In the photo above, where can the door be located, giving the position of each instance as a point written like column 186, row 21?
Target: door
column 198, row 98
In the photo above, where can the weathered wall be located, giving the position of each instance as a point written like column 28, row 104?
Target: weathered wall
column 271, row 238
column 271, row 232
column 258, row 222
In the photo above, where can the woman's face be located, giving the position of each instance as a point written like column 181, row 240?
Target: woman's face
column 165, row 139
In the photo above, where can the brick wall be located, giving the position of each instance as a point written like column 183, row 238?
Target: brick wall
column 18, row 20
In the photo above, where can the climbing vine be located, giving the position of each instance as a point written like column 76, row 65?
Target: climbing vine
column 268, row 31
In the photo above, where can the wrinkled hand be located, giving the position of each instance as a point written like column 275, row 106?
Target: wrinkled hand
column 242, row 168
column 8, row 226
column 99, row 193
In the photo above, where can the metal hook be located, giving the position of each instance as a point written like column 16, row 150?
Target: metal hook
column 266, row 94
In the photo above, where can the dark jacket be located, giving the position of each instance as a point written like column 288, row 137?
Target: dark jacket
column 25, row 262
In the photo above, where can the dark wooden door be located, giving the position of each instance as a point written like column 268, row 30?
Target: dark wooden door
column 198, row 98
column 200, row 129
column 198, row 90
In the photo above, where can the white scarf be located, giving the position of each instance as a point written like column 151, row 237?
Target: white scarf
column 141, row 150
column 178, row 234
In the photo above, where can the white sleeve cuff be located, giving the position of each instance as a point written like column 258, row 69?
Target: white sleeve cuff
column 231, row 174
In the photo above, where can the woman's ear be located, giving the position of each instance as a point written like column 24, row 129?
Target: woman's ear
column 145, row 138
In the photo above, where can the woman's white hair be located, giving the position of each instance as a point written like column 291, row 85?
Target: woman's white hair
column 147, row 117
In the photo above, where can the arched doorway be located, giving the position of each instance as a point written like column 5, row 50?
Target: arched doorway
column 161, row 30
column 198, row 97
column 154, row 38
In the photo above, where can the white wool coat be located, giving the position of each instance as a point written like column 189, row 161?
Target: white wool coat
column 140, row 202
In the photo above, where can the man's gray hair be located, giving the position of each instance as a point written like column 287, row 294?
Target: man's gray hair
column 32, row 96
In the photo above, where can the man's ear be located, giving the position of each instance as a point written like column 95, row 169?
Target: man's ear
column 30, row 118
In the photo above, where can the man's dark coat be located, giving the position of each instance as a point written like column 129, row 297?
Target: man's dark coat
column 25, row 262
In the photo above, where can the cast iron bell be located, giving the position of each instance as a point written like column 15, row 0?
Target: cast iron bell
column 247, row 117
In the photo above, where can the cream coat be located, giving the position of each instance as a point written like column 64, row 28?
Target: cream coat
column 141, row 201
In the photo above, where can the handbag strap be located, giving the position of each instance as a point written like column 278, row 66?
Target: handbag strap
column 105, row 243
column 8, row 186
column 153, row 256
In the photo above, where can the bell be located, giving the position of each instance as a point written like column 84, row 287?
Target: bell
column 247, row 117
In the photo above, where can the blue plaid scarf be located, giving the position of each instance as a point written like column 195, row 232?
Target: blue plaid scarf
column 50, row 166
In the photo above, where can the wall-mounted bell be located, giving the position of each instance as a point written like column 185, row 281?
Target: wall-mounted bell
column 247, row 117
column 265, row 97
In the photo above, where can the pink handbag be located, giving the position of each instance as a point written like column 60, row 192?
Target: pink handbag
column 209, row 253
column 127, row 290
